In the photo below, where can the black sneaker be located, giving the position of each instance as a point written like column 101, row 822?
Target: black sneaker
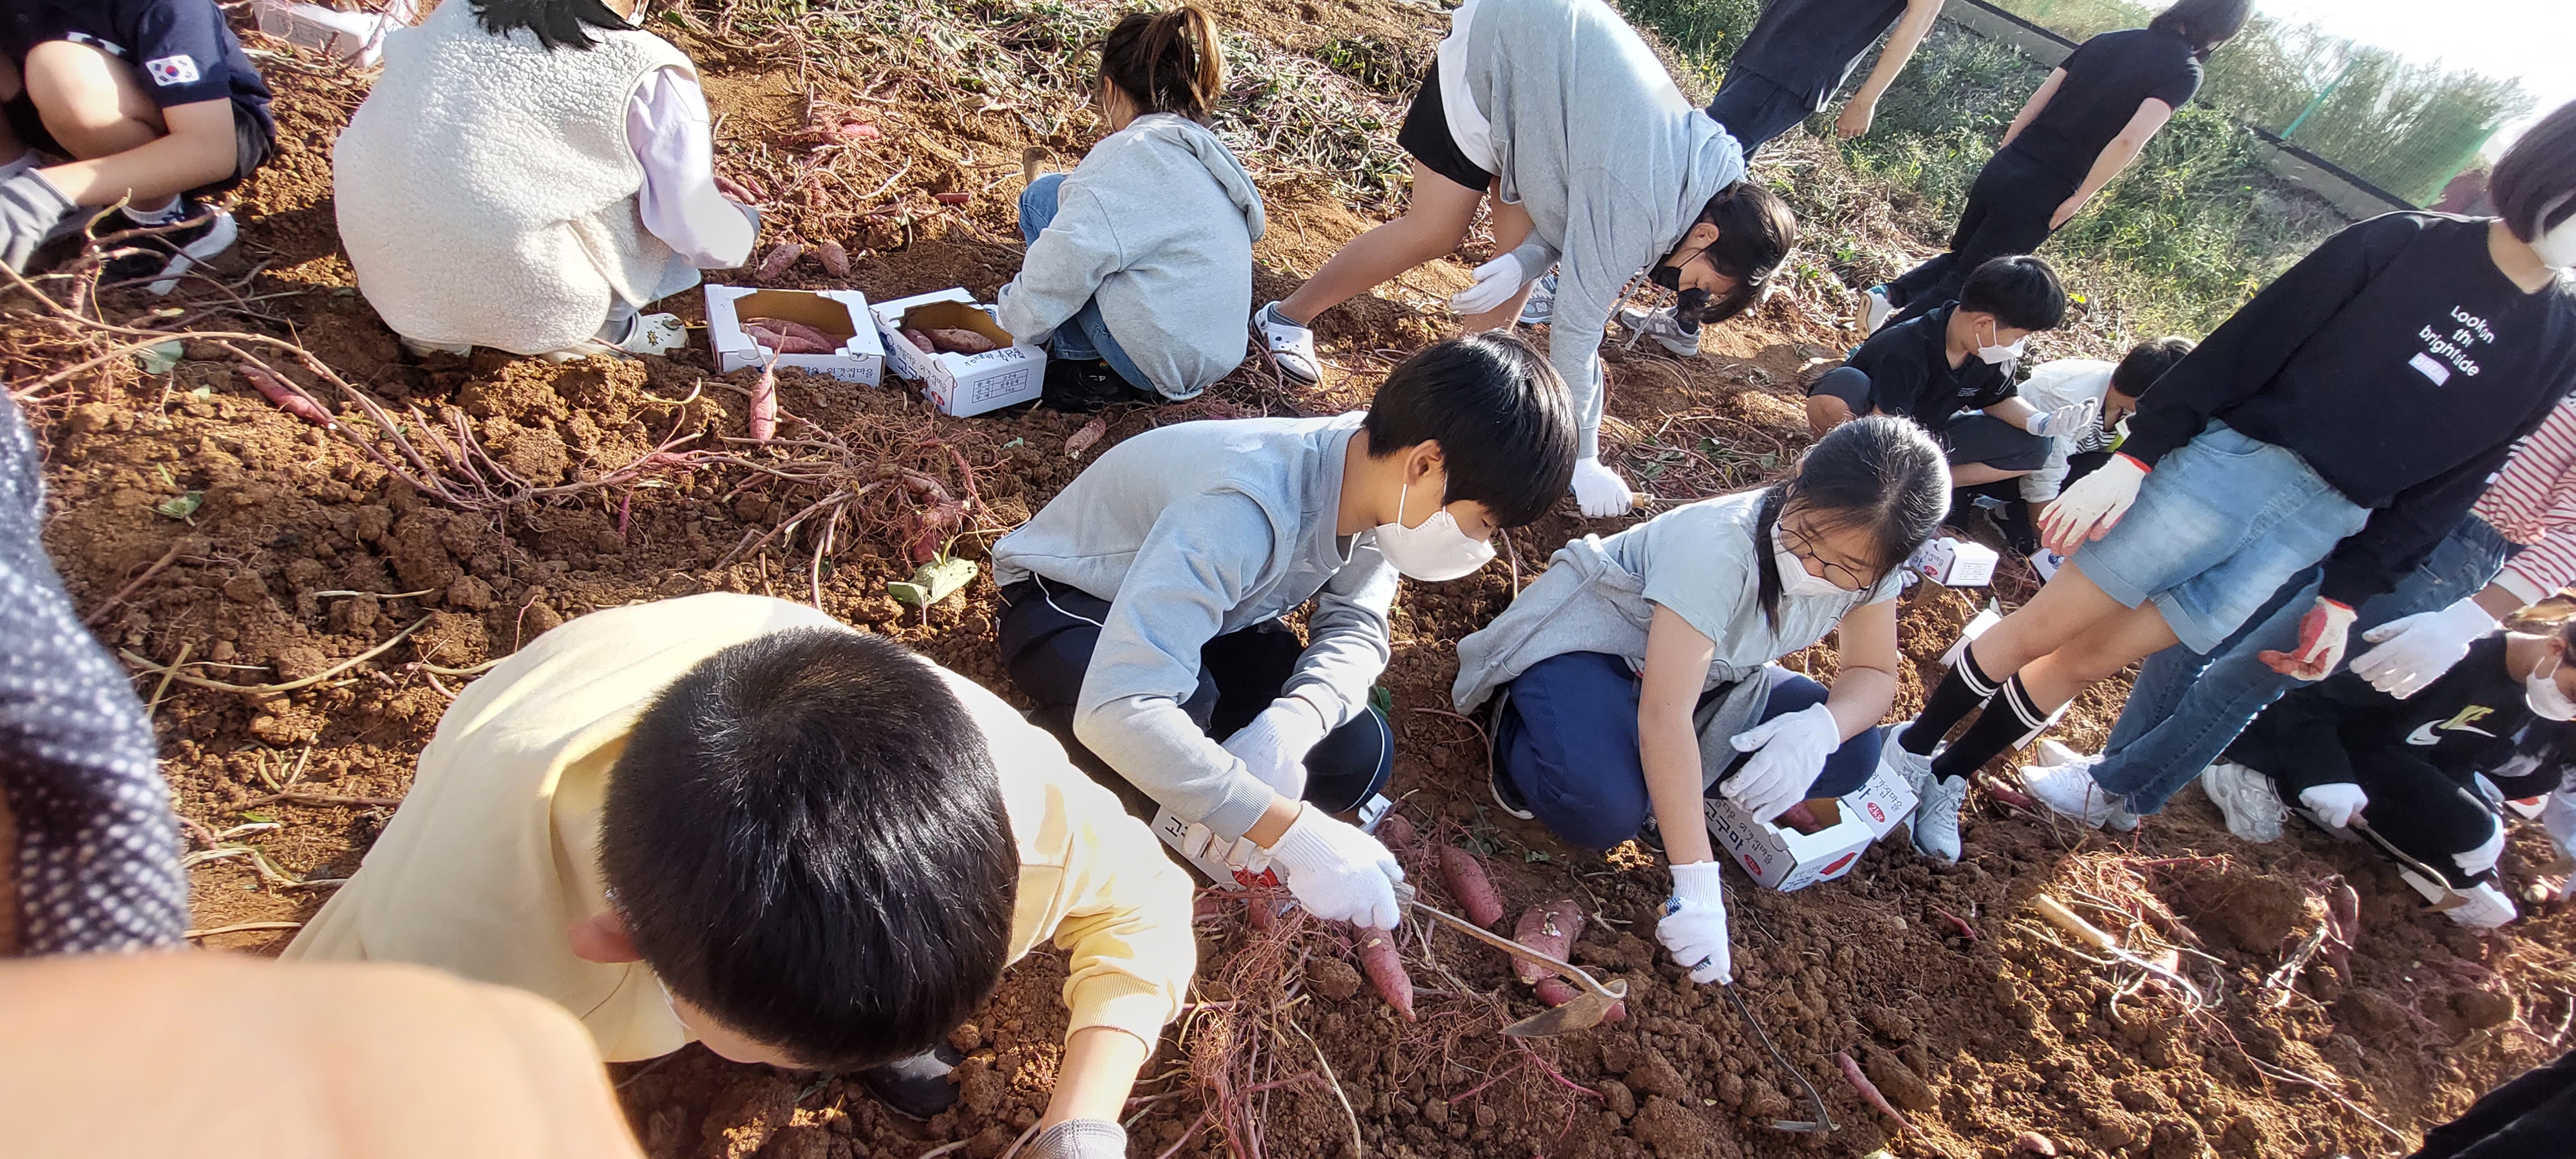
column 1081, row 386
column 918, row 1087
column 1506, row 796
column 161, row 259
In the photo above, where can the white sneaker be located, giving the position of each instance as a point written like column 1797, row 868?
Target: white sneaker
column 2248, row 799
column 2069, row 791
column 1914, row 772
column 1660, row 326
column 1874, row 309
column 1936, row 819
column 1291, row 347
column 1541, row 305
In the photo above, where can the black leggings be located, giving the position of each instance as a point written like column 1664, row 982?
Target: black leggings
column 2007, row 213
column 1047, row 635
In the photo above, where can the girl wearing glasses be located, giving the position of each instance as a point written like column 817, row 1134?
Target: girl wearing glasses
column 1638, row 674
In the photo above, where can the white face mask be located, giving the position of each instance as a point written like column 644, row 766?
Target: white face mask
column 1998, row 355
column 2557, row 247
column 1795, row 579
column 1432, row 551
column 2540, row 690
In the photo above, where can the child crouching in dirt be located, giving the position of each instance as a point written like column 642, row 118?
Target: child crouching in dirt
column 2101, row 396
column 1140, row 259
column 1592, row 158
column 733, row 820
column 528, row 175
column 1638, row 675
column 1144, row 604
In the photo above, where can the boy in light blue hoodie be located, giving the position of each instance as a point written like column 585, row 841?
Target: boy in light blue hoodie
column 1140, row 260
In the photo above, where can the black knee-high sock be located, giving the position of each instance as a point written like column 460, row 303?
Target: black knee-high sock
column 2010, row 721
column 1960, row 693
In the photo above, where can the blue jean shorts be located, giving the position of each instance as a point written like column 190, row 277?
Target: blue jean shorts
column 2219, row 525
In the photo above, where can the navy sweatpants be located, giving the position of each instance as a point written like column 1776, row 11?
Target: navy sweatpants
column 1567, row 738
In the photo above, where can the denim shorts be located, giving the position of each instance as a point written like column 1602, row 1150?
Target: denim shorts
column 2220, row 524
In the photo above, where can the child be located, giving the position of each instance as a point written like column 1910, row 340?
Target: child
column 2085, row 124
column 1592, row 156
column 153, row 103
column 2111, row 391
column 89, row 854
column 1943, row 368
column 528, row 175
column 1144, row 602
column 1141, row 258
column 731, row 819
column 1638, row 674
column 2368, row 392
column 2345, row 750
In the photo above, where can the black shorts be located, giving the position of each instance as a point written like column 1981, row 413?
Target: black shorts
column 254, row 142
column 1980, row 438
column 1425, row 134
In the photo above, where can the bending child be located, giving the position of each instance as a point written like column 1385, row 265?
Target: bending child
column 1140, row 259
column 1591, row 155
column 528, row 175
column 733, row 820
column 1951, row 371
column 2100, row 396
column 1639, row 674
column 147, row 102
column 2350, row 413
column 1144, row 602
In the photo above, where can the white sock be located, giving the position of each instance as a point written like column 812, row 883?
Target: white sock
column 162, row 216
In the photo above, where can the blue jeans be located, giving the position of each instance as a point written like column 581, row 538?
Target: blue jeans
column 1566, row 739
column 1085, row 335
column 2186, row 708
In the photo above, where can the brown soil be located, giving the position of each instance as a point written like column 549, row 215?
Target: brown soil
column 1971, row 1015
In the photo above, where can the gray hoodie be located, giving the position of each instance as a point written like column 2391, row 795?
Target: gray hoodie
column 1611, row 162
column 1158, row 225
column 1190, row 532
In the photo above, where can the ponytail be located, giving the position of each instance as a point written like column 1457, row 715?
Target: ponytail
column 1166, row 62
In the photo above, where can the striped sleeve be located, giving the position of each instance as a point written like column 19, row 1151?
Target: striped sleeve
column 2532, row 502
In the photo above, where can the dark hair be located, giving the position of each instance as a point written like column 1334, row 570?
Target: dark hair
column 2148, row 361
column 2534, row 178
column 805, row 839
column 1503, row 418
column 2021, row 291
column 1755, row 232
column 1166, row 62
column 555, row 23
column 2206, row 24
column 1877, row 473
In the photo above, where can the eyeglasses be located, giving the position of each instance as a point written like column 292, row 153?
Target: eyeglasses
column 1842, row 576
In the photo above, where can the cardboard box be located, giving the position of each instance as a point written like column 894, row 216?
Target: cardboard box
column 1785, row 859
column 842, row 314
column 1957, row 563
column 959, row 384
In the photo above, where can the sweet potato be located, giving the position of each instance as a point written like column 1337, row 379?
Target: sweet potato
column 954, row 198
column 287, row 398
column 784, row 337
column 1532, row 931
column 1550, row 929
column 1467, row 882
column 1569, row 922
column 779, row 259
column 764, row 402
column 836, row 261
column 962, row 341
column 1386, row 971
column 920, row 341
column 1397, row 833
column 1868, row 1090
column 1090, row 433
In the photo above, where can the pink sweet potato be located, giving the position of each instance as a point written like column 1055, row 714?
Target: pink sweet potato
column 954, row 198
column 836, row 261
column 1397, row 833
column 1467, row 882
column 1531, row 931
column 963, row 341
column 779, row 259
column 1386, row 971
column 1090, row 433
column 784, row 337
column 1550, row 929
column 764, row 402
column 287, row 398
column 1868, row 1090
column 920, row 341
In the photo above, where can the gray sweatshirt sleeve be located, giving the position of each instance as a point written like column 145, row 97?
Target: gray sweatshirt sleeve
column 1346, row 638
column 1600, row 256
column 1063, row 269
column 1199, row 561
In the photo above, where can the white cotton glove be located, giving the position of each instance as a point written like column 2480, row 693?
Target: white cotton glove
column 1599, row 491
column 2322, row 635
column 1080, row 1139
column 2336, row 804
column 2416, row 650
column 1788, row 751
column 2482, row 858
column 1694, row 923
column 1275, row 744
column 1496, row 282
column 2066, row 420
column 1338, row 872
column 2089, row 509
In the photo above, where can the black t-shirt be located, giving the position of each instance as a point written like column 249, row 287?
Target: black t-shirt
column 183, row 49
column 2461, row 724
column 2106, row 80
column 1910, row 373
column 1811, row 46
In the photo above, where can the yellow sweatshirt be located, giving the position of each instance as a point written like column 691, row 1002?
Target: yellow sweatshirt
column 493, row 855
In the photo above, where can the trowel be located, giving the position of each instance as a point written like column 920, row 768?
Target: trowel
column 1824, row 1120
column 1591, row 1002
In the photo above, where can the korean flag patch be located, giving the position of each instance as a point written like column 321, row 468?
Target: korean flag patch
column 172, row 70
